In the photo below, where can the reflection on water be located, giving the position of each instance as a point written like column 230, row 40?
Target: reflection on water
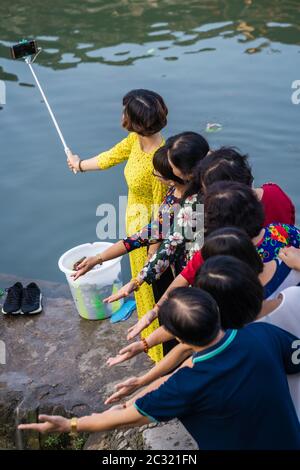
column 122, row 32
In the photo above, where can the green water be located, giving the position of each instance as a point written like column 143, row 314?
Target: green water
column 230, row 62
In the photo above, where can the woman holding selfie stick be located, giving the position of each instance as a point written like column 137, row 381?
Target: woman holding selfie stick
column 144, row 116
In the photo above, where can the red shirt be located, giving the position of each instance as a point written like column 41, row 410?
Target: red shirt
column 277, row 205
column 278, row 208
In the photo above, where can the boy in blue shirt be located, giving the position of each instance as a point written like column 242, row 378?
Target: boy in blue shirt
column 235, row 393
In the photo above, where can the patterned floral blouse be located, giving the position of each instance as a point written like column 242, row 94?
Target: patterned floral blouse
column 276, row 237
column 184, row 239
column 156, row 230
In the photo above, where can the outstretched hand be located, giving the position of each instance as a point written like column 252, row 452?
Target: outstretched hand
column 126, row 353
column 125, row 291
column 85, row 266
column 124, row 389
column 48, row 424
column 290, row 256
column 143, row 323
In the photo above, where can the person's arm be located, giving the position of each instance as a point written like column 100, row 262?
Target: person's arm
column 154, row 385
column 169, row 363
column 153, row 247
column 158, row 336
column 117, row 154
column 150, row 316
column 150, row 236
column 291, row 257
column 114, row 251
column 97, row 422
column 179, row 281
column 90, row 164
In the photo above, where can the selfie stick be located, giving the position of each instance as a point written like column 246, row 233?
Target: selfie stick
column 66, row 148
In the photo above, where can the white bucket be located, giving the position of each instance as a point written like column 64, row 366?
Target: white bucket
column 89, row 290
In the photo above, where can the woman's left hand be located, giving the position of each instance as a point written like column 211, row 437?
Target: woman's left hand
column 48, row 424
column 85, row 266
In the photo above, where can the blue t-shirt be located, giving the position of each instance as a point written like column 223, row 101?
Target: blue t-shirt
column 236, row 395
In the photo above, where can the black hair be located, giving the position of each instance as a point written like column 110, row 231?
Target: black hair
column 145, row 112
column 225, row 164
column 191, row 315
column 234, row 242
column 234, row 286
column 162, row 166
column 186, row 150
column 232, row 204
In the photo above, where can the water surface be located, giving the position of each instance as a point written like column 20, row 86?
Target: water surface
column 229, row 62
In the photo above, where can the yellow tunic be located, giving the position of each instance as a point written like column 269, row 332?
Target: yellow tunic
column 145, row 193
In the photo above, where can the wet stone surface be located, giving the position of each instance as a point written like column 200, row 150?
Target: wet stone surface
column 56, row 362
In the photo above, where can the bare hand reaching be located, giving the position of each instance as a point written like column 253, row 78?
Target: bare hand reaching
column 126, row 353
column 124, row 389
column 48, row 424
column 85, row 266
column 143, row 323
column 125, row 291
column 290, row 256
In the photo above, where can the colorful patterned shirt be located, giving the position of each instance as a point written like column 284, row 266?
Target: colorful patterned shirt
column 277, row 236
column 184, row 239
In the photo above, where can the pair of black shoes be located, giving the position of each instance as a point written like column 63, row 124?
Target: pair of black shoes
column 23, row 300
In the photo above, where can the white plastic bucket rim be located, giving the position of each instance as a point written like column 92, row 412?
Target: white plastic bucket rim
column 100, row 245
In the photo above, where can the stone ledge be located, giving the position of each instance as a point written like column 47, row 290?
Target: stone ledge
column 168, row 436
column 164, row 436
column 56, row 361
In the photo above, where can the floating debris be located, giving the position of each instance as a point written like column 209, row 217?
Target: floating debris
column 252, row 50
column 151, row 51
column 213, row 127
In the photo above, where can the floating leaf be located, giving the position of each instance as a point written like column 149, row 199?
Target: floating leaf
column 213, row 127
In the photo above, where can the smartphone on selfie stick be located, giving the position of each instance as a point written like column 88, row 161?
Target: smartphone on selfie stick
column 28, row 50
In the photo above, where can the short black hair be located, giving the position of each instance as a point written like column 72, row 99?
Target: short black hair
column 234, row 286
column 186, row 150
column 191, row 315
column 225, row 164
column 162, row 166
column 235, row 242
column 228, row 203
column 145, row 112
